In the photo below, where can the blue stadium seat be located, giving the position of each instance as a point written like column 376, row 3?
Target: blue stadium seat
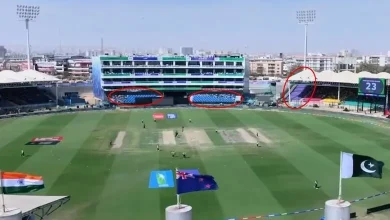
column 214, row 98
column 131, row 99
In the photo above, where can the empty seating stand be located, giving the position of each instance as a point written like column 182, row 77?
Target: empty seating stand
column 73, row 99
column 214, row 98
column 132, row 99
column 23, row 96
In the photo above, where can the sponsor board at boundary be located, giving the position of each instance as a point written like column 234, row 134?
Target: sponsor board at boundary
column 45, row 140
column 158, row 116
column 171, row 116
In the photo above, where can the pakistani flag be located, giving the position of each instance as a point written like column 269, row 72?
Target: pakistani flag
column 354, row 165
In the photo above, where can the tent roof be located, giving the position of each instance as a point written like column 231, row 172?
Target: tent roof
column 341, row 77
column 8, row 76
column 29, row 204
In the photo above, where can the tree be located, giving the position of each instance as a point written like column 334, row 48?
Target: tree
column 293, row 68
column 337, row 67
column 386, row 69
column 372, row 68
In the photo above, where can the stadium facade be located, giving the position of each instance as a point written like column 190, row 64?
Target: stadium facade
column 175, row 76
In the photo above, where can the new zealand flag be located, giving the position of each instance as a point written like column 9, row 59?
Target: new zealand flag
column 187, row 182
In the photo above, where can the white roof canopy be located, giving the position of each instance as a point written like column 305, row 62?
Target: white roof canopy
column 8, row 76
column 29, row 204
column 341, row 77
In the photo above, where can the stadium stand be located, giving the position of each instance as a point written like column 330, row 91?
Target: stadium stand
column 333, row 88
column 24, row 96
column 25, row 91
column 214, row 98
column 323, row 92
column 131, row 99
column 73, row 98
column 341, row 77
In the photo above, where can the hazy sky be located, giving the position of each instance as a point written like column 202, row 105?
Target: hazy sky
column 254, row 26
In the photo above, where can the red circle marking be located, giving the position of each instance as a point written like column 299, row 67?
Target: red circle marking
column 216, row 106
column 134, row 88
column 311, row 95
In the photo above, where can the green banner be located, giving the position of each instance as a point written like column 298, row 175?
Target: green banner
column 176, row 58
column 114, row 58
column 231, row 59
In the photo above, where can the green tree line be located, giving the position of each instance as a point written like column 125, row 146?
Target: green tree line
column 373, row 68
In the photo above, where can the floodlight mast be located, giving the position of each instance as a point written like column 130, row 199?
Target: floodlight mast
column 306, row 17
column 27, row 13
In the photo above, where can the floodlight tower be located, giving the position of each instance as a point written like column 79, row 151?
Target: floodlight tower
column 306, row 17
column 27, row 13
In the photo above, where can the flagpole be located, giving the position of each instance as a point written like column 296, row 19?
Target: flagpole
column 340, row 179
column 178, row 196
column 2, row 191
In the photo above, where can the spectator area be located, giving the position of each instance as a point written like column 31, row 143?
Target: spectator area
column 17, row 89
column 11, row 97
column 328, row 95
column 73, row 98
column 134, row 97
column 214, row 98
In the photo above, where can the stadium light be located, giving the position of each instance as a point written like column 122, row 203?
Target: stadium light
column 27, row 13
column 306, row 17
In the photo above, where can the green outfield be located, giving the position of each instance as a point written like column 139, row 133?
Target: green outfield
column 106, row 182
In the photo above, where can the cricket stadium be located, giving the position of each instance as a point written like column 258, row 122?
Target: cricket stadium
column 176, row 76
column 104, row 160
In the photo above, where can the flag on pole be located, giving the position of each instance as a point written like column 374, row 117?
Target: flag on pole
column 20, row 182
column 188, row 182
column 354, row 165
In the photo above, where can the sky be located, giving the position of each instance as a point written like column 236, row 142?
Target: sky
column 250, row 26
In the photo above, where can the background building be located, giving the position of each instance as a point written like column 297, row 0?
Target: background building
column 318, row 62
column 165, row 51
column 3, row 52
column 266, row 66
column 48, row 67
column 80, row 67
column 186, row 51
column 380, row 60
column 345, row 63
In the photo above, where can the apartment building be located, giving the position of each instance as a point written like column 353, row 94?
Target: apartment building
column 80, row 67
column 44, row 66
column 266, row 66
column 318, row 62
column 345, row 63
column 380, row 60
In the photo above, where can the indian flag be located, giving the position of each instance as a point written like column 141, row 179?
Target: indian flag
column 20, row 182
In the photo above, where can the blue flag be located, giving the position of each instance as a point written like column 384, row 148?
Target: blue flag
column 187, row 182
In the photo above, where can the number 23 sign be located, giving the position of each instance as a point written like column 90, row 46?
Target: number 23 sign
column 371, row 86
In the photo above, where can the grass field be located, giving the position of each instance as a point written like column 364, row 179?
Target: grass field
column 277, row 177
